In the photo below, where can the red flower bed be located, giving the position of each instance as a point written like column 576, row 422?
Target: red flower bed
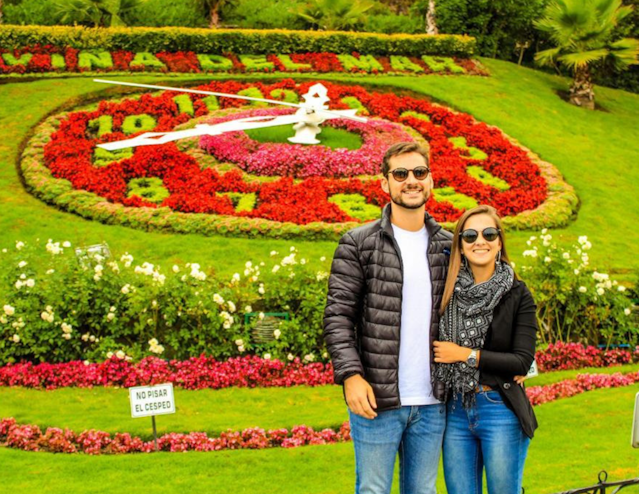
column 93, row 442
column 245, row 372
column 187, row 62
column 565, row 356
column 69, row 156
column 195, row 373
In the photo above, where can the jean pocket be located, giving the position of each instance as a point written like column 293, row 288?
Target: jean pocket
column 493, row 397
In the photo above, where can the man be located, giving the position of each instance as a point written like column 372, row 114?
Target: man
column 381, row 317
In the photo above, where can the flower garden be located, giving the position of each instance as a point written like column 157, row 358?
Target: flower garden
column 215, row 251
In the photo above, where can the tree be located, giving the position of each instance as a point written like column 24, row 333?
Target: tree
column 0, row 11
column 582, row 32
column 211, row 9
column 333, row 15
column 99, row 13
column 431, row 23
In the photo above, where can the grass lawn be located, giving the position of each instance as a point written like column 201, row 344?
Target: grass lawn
column 331, row 137
column 207, row 410
column 577, row 438
column 595, row 151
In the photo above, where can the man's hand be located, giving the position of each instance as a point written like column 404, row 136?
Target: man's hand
column 360, row 397
column 520, row 380
column 447, row 352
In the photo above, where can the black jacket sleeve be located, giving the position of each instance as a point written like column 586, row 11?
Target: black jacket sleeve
column 517, row 362
column 346, row 287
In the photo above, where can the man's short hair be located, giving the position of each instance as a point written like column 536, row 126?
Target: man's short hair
column 403, row 148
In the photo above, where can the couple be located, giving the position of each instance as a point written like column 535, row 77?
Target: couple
column 428, row 334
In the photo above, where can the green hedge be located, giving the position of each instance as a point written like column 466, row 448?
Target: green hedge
column 238, row 41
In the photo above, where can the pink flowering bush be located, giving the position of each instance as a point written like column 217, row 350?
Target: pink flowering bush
column 296, row 160
column 92, row 442
column 195, row 373
column 565, row 356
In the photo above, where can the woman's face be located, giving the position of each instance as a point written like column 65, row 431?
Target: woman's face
column 481, row 252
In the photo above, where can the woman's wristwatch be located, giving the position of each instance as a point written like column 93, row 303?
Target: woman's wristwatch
column 471, row 361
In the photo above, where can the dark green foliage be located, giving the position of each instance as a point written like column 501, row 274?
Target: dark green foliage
column 263, row 14
column 158, row 13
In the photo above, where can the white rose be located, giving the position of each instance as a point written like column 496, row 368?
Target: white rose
column 239, row 342
column 261, row 316
column 50, row 271
column 583, row 289
column 621, row 288
column 125, row 289
column 274, row 253
column 290, row 356
column 600, row 291
column 16, row 338
column 267, row 356
column 120, row 354
column 176, row 268
column 248, row 264
column 66, row 336
column 323, row 258
column 576, row 271
column 248, row 308
column 18, row 284
column 217, row 298
column 30, row 283
column 566, row 255
column 110, row 316
column 66, row 244
column 66, row 328
column 277, row 333
column 240, row 348
column 627, row 311
column 8, row 310
column 19, row 245
column 276, row 268
column 261, row 290
column 22, row 264
column 547, row 259
column 232, row 307
column 109, row 355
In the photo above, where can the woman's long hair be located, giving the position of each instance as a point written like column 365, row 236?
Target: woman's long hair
column 454, row 265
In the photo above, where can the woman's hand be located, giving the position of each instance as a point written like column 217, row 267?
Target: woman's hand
column 520, row 380
column 447, row 352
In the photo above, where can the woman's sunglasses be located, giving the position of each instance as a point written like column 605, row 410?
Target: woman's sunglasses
column 470, row 236
column 401, row 174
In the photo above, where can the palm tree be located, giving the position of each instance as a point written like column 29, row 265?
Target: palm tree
column 582, row 32
column 334, row 14
column 431, row 23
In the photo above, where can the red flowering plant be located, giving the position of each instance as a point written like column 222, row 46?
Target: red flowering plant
column 50, row 58
column 468, row 158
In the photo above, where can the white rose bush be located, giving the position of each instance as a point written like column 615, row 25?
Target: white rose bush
column 575, row 302
column 55, row 308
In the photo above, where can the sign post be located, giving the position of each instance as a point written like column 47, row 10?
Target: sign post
column 151, row 401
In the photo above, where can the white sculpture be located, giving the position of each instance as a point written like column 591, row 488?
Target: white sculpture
column 306, row 120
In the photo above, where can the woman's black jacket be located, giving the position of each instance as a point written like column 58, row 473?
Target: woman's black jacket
column 509, row 351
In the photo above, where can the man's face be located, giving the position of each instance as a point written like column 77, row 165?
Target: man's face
column 411, row 193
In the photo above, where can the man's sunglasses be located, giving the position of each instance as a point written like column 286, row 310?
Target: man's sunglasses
column 470, row 236
column 401, row 174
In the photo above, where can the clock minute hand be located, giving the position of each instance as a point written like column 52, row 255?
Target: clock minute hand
column 235, row 96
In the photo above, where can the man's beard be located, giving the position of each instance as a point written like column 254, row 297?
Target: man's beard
column 397, row 199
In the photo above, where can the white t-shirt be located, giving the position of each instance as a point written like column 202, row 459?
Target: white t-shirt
column 415, row 386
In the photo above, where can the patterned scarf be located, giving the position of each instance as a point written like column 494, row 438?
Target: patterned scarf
column 465, row 322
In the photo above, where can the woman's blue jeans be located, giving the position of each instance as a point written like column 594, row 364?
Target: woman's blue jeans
column 415, row 432
column 488, row 436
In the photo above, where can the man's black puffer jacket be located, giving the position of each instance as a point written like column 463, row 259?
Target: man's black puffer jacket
column 363, row 310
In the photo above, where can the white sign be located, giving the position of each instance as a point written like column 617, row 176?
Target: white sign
column 533, row 371
column 152, row 400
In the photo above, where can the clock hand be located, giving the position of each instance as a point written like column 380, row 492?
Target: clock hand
column 235, row 96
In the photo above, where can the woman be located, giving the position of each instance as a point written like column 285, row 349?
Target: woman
column 486, row 340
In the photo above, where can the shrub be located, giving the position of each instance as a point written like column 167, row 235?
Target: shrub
column 574, row 301
column 155, row 40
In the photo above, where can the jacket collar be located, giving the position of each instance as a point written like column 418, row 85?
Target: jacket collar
column 432, row 227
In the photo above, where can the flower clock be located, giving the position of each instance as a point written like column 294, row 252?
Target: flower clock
column 256, row 183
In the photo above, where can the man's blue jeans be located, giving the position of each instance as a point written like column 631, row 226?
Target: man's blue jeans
column 415, row 432
column 486, row 436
